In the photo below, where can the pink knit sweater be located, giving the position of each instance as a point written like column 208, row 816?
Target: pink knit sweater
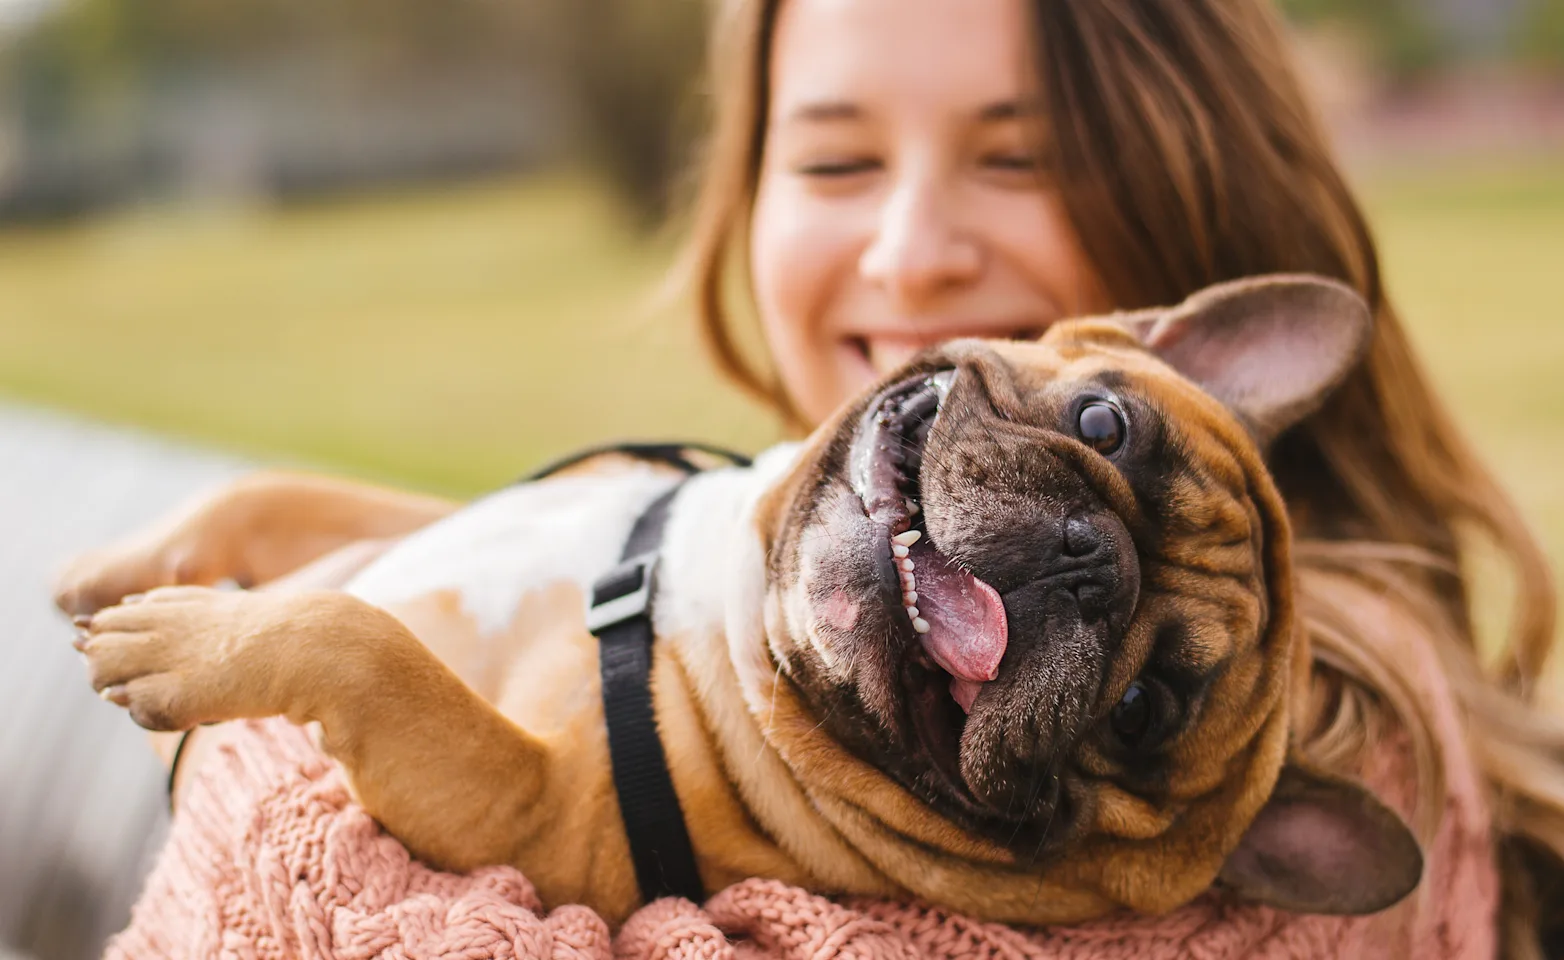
column 269, row 858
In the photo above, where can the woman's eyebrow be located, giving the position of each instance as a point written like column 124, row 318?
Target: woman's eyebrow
column 1003, row 110
column 825, row 111
column 837, row 111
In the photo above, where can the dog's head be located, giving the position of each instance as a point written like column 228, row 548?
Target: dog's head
column 1046, row 588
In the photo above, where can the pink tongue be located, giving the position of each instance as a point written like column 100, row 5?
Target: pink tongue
column 967, row 629
column 965, row 692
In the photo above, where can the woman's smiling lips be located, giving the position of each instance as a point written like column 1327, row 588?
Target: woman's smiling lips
column 886, row 350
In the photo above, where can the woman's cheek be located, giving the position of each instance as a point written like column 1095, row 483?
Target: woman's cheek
column 1032, row 232
column 799, row 258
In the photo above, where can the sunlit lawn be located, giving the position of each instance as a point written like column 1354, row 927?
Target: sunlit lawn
column 1475, row 262
column 445, row 339
column 451, row 338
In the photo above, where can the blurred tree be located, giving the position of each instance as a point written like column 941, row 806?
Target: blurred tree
column 105, row 80
column 75, row 63
column 70, row 87
column 631, row 67
column 1539, row 34
column 1402, row 34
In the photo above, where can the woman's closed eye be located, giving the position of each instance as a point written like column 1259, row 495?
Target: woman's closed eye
column 1022, row 169
column 837, row 167
column 1009, row 160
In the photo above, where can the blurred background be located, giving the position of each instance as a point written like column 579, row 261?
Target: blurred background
column 418, row 243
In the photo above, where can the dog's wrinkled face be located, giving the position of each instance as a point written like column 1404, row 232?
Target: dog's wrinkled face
column 1045, row 587
column 1021, row 573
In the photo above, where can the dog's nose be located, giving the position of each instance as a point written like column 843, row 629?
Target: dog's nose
column 1097, row 563
column 1082, row 538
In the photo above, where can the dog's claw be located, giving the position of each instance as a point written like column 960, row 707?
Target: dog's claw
column 115, row 694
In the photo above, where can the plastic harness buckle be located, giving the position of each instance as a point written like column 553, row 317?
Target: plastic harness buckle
column 623, row 592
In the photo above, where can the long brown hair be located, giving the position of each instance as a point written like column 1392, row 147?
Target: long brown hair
column 1186, row 154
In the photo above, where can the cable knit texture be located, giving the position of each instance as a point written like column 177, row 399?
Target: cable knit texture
column 270, row 858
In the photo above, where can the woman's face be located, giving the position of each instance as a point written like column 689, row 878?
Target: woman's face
column 899, row 203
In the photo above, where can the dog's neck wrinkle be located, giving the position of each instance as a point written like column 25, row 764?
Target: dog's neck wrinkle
column 710, row 616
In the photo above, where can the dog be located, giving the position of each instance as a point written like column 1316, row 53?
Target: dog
column 1013, row 633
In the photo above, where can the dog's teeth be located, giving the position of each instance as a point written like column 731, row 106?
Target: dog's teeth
column 898, row 551
column 907, row 538
column 919, row 624
column 909, row 583
column 912, row 508
column 912, row 611
column 910, row 597
column 905, row 563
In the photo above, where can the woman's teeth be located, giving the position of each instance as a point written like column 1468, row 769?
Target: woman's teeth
column 900, row 545
column 886, row 354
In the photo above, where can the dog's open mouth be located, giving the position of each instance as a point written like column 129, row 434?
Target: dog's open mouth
column 958, row 620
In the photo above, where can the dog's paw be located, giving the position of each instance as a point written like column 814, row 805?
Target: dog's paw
column 102, row 578
column 176, row 657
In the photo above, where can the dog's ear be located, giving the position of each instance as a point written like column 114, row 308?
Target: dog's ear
column 1324, row 845
column 1270, row 347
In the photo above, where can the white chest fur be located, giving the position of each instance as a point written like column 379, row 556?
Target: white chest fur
column 498, row 549
column 495, row 551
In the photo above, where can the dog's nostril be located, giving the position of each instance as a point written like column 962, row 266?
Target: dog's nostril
column 1081, row 537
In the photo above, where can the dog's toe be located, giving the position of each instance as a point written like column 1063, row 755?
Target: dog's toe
column 114, row 659
column 104, row 578
column 159, row 702
column 139, row 672
column 123, row 618
column 79, row 597
column 149, row 611
column 178, row 594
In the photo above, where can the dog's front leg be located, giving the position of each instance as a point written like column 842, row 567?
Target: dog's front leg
column 439, row 767
column 252, row 531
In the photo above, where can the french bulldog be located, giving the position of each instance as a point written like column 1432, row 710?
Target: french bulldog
column 1012, row 633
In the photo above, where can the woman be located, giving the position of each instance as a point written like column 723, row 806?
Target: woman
column 901, row 173
column 893, row 173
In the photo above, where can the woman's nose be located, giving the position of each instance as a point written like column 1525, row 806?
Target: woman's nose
column 918, row 251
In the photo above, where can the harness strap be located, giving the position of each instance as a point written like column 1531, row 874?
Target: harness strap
column 621, row 618
column 672, row 454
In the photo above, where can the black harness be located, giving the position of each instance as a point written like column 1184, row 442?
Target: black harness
column 621, row 618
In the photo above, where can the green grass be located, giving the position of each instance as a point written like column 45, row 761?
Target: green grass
column 446, row 340
column 1474, row 261
column 450, row 339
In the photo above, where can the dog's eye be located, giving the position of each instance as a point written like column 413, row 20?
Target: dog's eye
column 1101, row 426
column 1134, row 716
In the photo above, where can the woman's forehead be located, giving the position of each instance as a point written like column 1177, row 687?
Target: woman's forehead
column 843, row 61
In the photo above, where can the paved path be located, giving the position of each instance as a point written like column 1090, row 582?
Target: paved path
column 81, row 796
